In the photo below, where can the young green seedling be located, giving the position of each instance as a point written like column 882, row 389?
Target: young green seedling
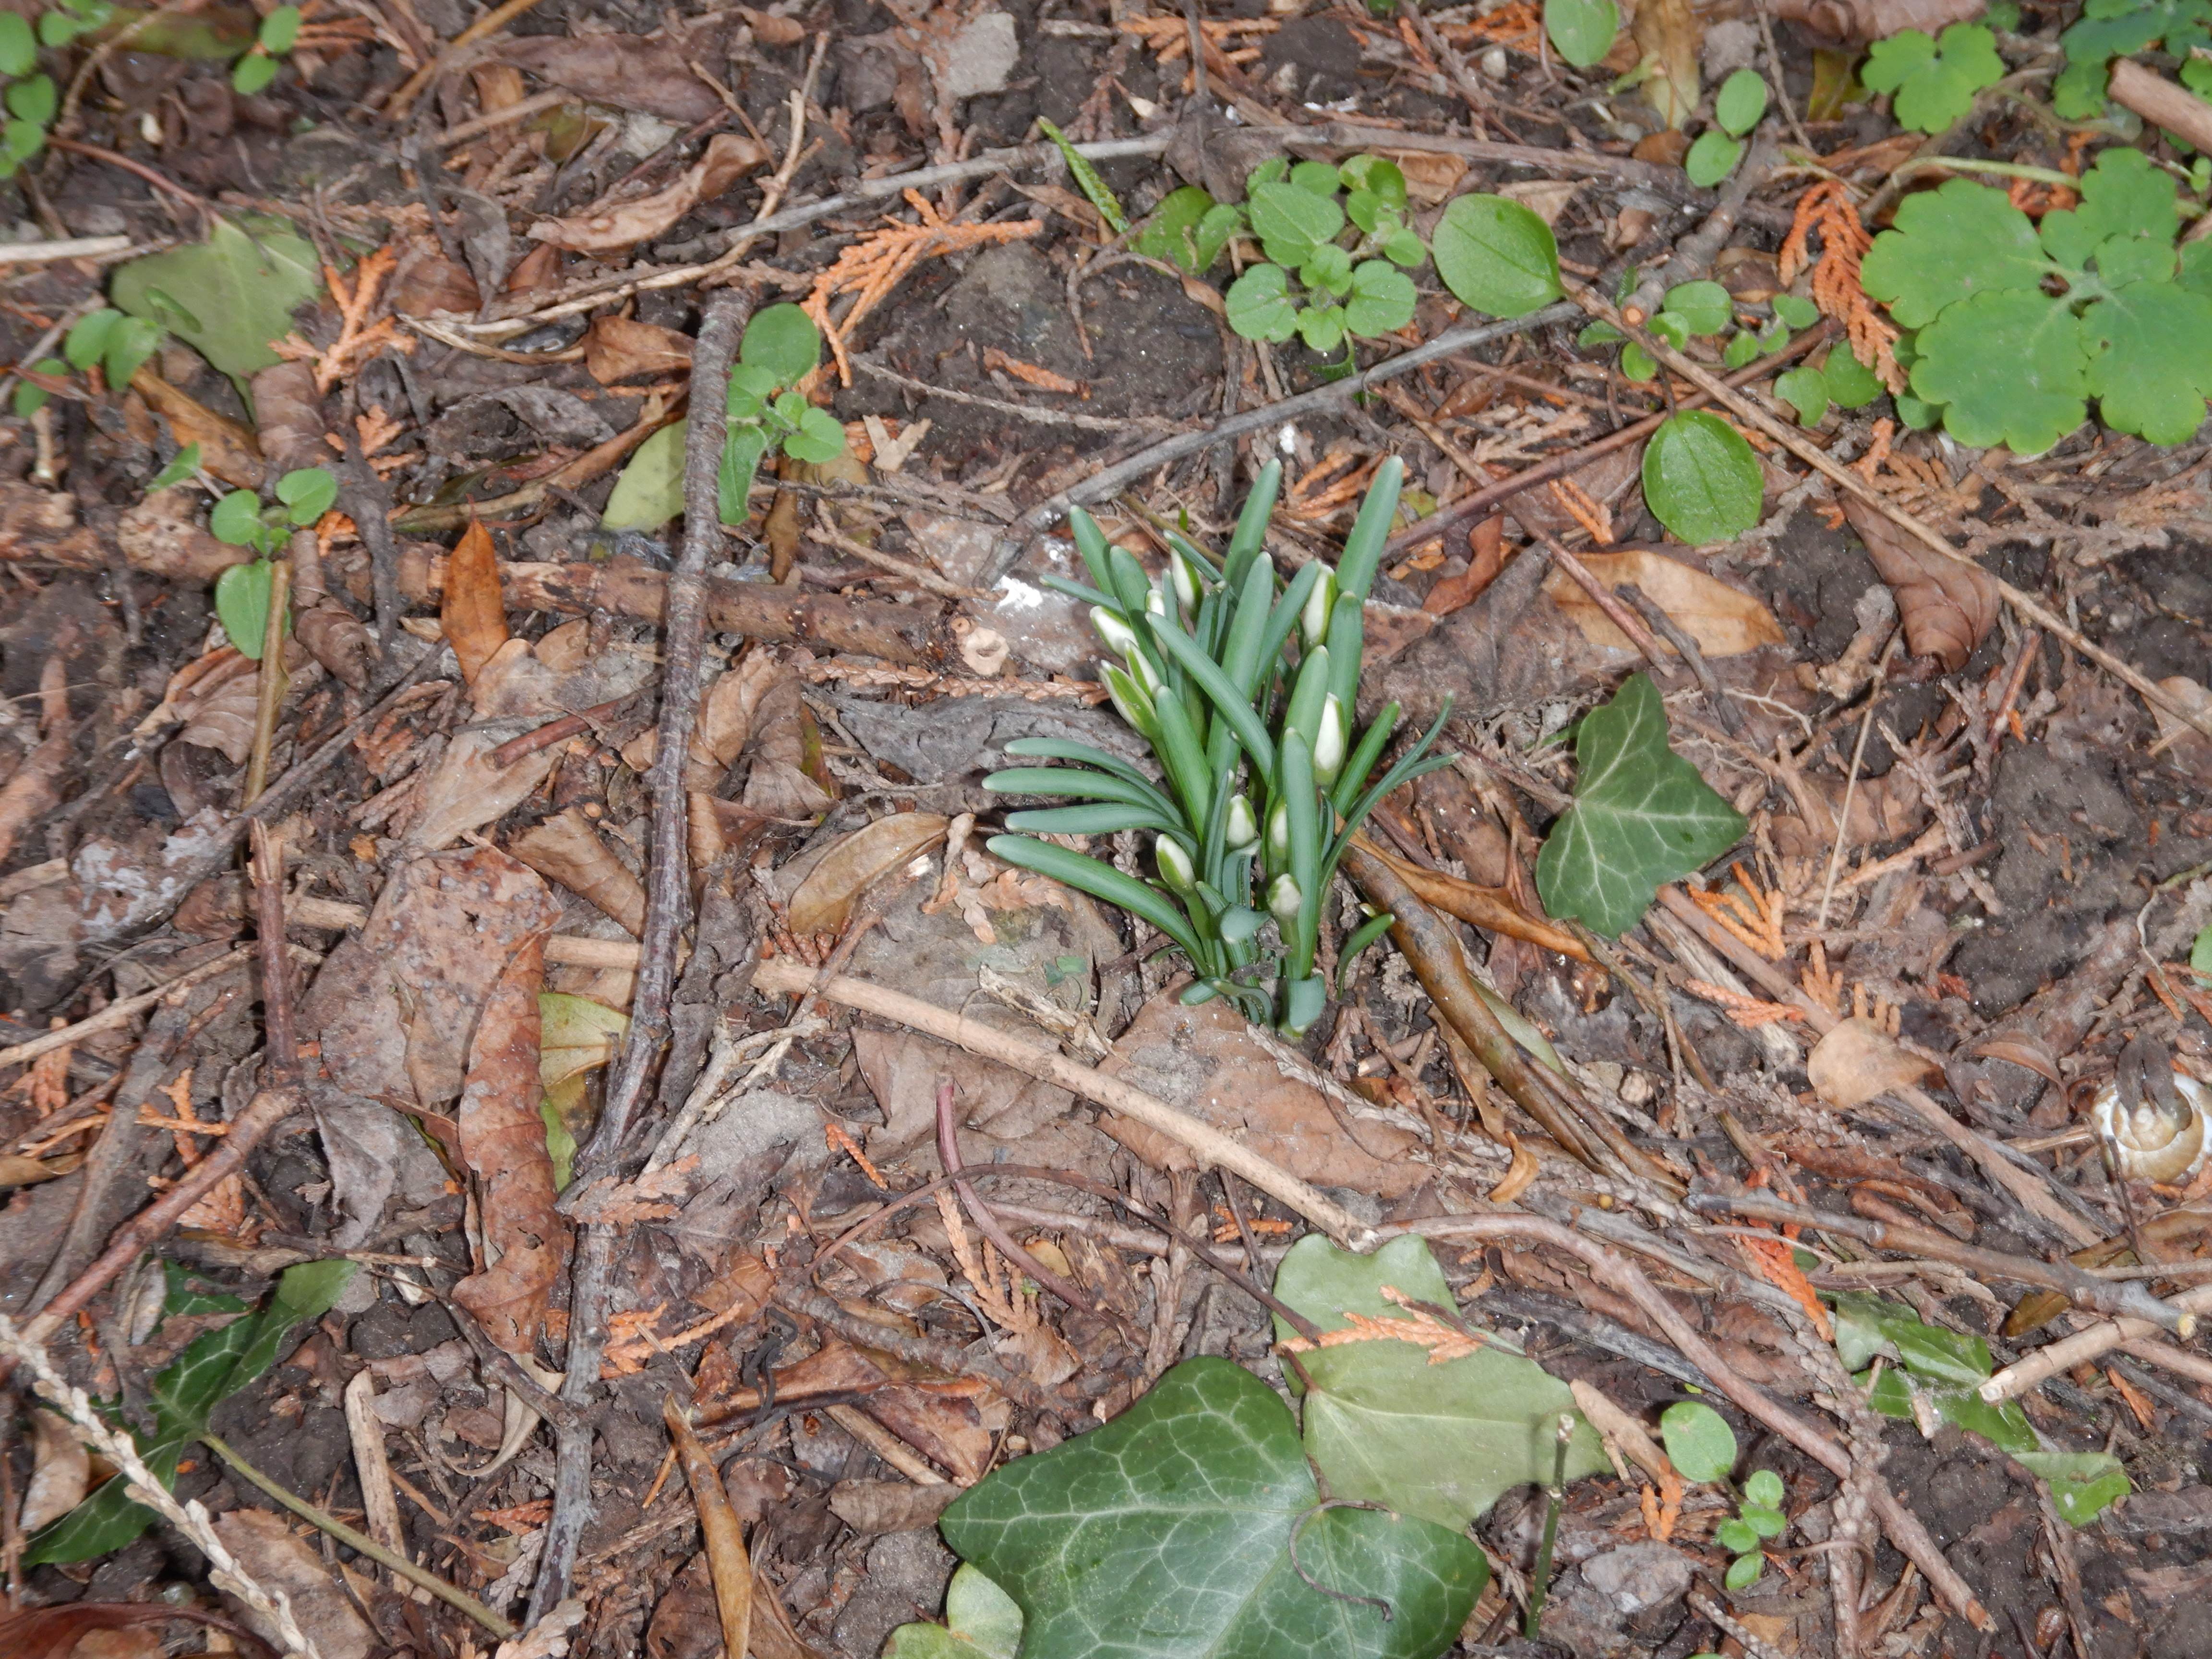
column 242, row 593
column 253, row 72
column 1701, row 1448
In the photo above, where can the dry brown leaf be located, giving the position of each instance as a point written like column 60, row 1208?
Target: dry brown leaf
column 287, row 416
column 1877, row 20
column 1431, row 179
column 394, row 1005
column 162, row 536
column 773, row 30
column 228, row 450
column 425, row 283
column 1858, row 1060
column 338, row 639
column 465, row 791
column 566, row 848
column 608, row 228
column 950, row 1420
column 503, row 1138
column 825, row 899
column 617, row 348
column 60, row 1474
column 280, row 1559
column 1669, row 35
column 470, row 611
column 1946, row 607
column 223, row 721
column 1206, row 1060
column 647, row 72
column 104, row 1630
column 1724, row 621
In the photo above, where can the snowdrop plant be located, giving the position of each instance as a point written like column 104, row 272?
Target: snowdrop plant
column 1243, row 684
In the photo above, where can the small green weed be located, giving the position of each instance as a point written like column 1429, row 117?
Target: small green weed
column 1701, row 1448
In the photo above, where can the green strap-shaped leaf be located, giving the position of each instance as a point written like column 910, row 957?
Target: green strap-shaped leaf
column 1078, row 783
column 1105, row 818
column 1230, row 702
column 1362, row 547
column 1101, row 194
column 1251, row 532
column 1101, row 881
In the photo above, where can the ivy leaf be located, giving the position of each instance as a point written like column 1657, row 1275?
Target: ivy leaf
column 1381, row 299
column 2124, row 195
column 1258, row 304
column 229, row 296
column 1291, row 222
column 2150, row 360
column 981, row 1622
column 217, row 1365
column 1580, row 31
column 2082, row 1483
column 2007, row 367
column 1167, row 1534
column 1935, row 81
column 1949, row 244
column 1642, row 815
column 1701, row 477
column 1497, row 256
column 1384, row 1424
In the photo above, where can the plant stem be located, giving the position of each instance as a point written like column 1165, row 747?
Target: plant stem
column 1555, row 1495
column 364, row 1544
column 272, row 681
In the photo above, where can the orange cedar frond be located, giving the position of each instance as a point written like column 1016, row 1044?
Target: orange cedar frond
column 1777, row 1264
column 1826, row 208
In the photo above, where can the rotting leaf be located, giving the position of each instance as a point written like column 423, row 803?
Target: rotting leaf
column 1167, row 1533
column 471, row 611
column 1386, row 1422
column 229, row 296
column 1642, row 816
column 616, row 349
column 608, row 229
column 650, row 491
column 1946, row 607
column 825, row 899
column 217, row 1365
column 1858, row 1060
column 503, row 1138
column 1724, row 621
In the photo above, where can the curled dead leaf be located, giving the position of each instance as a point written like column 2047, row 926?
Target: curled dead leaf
column 825, row 899
column 467, row 791
column 228, row 450
column 647, row 72
column 566, row 848
column 470, row 611
column 1946, row 607
column 611, row 227
column 1858, row 1060
column 617, row 348
column 503, row 1138
column 280, row 1559
column 60, row 1474
column 1724, row 621
column 162, row 536
column 1877, row 20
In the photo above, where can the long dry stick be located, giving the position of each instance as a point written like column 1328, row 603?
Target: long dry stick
column 1617, row 1274
column 1818, row 458
column 2053, row 1358
column 667, row 904
column 779, row 976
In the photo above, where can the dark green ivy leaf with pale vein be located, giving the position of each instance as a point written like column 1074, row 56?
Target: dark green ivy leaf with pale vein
column 1642, row 816
column 1166, row 1534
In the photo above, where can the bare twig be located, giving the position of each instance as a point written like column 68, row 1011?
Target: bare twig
column 667, row 904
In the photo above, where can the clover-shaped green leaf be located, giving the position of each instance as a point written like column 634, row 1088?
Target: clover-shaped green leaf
column 1949, row 244
column 309, row 492
column 1322, row 327
column 2008, row 369
column 1166, row 1533
column 1642, row 816
column 1291, row 222
column 820, row 437
column 2150, row 360
column 1935, row 81
column 1381, row 299
column 1329, row 270
column 1260, row 306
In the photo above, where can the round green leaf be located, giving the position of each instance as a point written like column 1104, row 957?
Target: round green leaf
column 1736, row 1536
column 241, row 599
column 1763, row 1487
column 1637, row 364
column 1258, row 304
column 1317, row 177
column 1712, row 157
column 1703, row 308
column 1851, row 383
column 1291, row 223
column 1918, row 413
column 1671, row 329
column 254, row 73
column 1744, row 1571
column 58, row 28
column 1742, row 348
column 23, row 139
column 280, row 29
column 87, row 342
column 1700, row 1443
column 1795, row 311
column 1381, row 299
column 752, row 387
column 237, row 519
column 309, row 492
column 1403, row 247
column 19, row 48
column 1701, row 477
column 1806, row 391
column 1762, row 1521
column 1497, row 256
column 782, row 339
column 33, row 100
column 30, row 399
column 1330, row 268
column 1379, row 177
column 1580, row 31
column 1741, row 101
